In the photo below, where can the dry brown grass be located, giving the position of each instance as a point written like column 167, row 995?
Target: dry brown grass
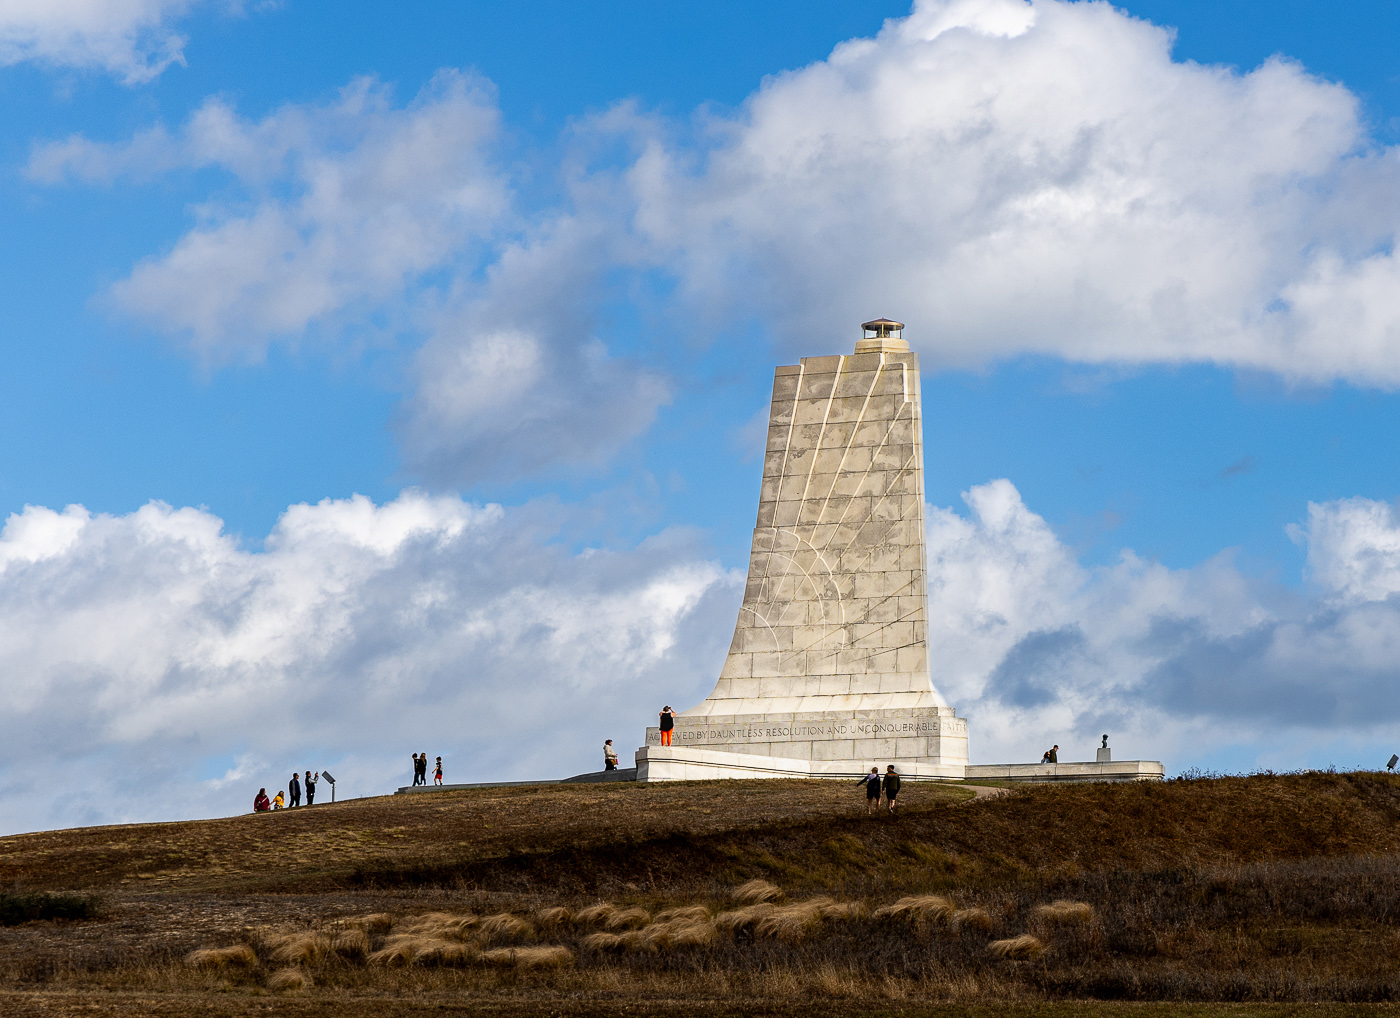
column 1176, row 910
column 595, row 915
column 627, row 919
column 1065, row 913
column 680, row 932
column 353, row 943
column 504, row 926
column 1016, row 948
column 794, row 922
column 222, row 957
column 288, row 979
column 919, row 907
column 975, row 918
column 691, row 913
column 445, row 952
column 375, row 923
column 743, row 919
column 297, row 948
column 756, row 892
column 553, row 918
column 550, row 957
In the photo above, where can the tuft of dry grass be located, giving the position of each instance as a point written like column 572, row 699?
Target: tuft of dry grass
column 288, row 979
column 744, row 918
column 222, row 957
column 681, row 931
column 1065, row 913
column 441, row 924
column 628, row 919
column 350, row 944
column 756, row 892
column 376, row 923
column 601, row 942
column 595, row 915
column 1014, row 948
column 690, row 913
column 445, row 952
column 297, row 948
column 504, row 926
column 975, row 918
column 793, row 923
column 399, row 949
column 844, row 910
column 549, row 957
column 553, row 918
column 920, row 907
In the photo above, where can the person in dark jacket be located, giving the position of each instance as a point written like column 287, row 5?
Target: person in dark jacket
column 1052, row 755
column 891, row 787
column 311, row 787
column 668, row 722
column 872, row 790
column 415, row 770
column 261, row 803
column 294, row 790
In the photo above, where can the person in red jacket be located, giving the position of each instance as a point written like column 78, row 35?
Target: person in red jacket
column 261, row 803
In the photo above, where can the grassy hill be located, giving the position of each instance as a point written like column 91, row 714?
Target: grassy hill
column 1281, row 892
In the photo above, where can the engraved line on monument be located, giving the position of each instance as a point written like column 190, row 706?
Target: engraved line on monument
column 835, row 477
column 819, row 552
column 817, row 590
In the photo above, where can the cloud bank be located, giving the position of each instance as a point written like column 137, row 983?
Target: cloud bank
column 156, row 669
column 1044, row 178
column 1176, row 663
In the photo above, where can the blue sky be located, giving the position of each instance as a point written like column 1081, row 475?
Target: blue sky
column 256, row 255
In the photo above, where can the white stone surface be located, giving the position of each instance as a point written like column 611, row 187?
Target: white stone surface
column 676, row 763
column 1120, row 770
column 830, row 657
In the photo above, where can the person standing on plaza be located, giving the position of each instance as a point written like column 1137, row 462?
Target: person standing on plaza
column 294, row 790
column 609, row 756
column 872, row 790
column 311, row 787
column 668, row 722
column 437, row 772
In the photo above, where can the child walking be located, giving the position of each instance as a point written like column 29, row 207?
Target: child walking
column 437, row 772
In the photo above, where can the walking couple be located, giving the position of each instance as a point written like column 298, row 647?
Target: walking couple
column 874, row 785
column 420, row 769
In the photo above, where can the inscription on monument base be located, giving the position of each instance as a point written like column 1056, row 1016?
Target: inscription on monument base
column 909, row 734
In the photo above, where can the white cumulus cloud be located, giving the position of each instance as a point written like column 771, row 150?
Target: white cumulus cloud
column 348, row 203
column 1036, row 648
column 1016, row 178
column 132, row 39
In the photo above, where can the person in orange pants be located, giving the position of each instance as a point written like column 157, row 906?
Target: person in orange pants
column 668, row 722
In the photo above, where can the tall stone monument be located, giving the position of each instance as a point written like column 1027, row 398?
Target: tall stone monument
column 828, row 673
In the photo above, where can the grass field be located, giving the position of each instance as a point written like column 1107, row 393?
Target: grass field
column 1268, row 895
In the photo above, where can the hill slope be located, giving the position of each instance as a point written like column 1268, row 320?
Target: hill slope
column 1261, row 888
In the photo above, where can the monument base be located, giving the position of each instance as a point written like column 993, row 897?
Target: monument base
column 684, row 763
column 1118, row 770
column 851, row 740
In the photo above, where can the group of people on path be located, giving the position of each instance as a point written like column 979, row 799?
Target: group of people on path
column 261, row 803
column 875, row 785
column 420, row 770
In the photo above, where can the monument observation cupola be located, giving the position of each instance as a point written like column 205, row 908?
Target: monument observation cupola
column 882, row 336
